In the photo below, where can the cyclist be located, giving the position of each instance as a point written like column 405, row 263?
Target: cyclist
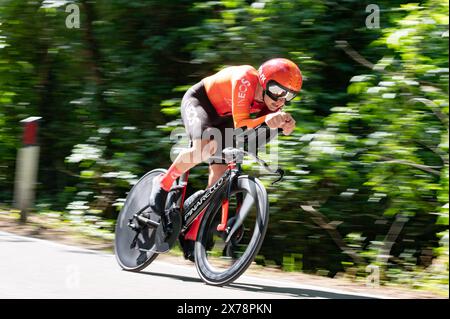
column 226, row 100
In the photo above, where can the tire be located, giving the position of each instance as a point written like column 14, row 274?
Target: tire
column 236, row 256
column 134, row 259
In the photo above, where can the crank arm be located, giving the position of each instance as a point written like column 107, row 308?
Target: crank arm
column 150, row 223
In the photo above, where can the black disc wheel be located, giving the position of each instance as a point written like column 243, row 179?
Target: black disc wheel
column 134, row 241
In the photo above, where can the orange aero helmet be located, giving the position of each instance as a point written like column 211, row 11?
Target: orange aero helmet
column 282, row 71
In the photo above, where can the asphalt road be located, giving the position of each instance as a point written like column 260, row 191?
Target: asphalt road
column 32, row 268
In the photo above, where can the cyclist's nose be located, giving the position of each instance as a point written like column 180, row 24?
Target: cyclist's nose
column 280, row 102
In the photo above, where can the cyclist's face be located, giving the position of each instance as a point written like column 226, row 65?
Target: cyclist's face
column 273, row 105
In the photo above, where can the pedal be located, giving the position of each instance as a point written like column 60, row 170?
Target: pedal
column 168, row 231
column 133, row 226
column 147, row 221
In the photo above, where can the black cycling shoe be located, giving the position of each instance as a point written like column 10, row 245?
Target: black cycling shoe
column 158, row 197
column 188, row 248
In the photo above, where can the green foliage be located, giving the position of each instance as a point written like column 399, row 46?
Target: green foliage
column 387, row 151
column 368, row 161
column 110, row 163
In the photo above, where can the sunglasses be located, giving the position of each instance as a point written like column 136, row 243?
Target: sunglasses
column 276, row 91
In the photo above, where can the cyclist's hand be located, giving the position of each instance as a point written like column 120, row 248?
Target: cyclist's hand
column 289, row 125
column 277, row 119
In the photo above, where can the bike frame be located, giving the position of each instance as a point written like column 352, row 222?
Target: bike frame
column 217, row 194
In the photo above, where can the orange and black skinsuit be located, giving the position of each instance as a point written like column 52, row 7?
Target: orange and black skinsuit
column 223, row 100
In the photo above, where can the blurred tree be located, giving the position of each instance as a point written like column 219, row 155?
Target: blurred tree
column 368, row 162
column 102, row 75
column 378, row 170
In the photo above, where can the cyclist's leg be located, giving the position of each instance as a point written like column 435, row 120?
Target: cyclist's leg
column 185, row 160
column 216, row 170
column 217, row 165
column 200, row 151
column 197, row 117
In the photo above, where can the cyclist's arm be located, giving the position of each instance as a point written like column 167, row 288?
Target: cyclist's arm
column 243, row 92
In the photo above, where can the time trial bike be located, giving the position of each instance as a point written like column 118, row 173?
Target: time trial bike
column 227, row 221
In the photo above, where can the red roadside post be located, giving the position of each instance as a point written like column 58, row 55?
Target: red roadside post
column 27, row 167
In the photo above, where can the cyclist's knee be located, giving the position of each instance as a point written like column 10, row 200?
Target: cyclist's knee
column 202, row 150
column 210, row 149
column 215, row 172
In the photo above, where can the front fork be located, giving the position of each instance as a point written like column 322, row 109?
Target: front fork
column 225, row 209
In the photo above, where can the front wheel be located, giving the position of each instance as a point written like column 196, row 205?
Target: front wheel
column 221, row 257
